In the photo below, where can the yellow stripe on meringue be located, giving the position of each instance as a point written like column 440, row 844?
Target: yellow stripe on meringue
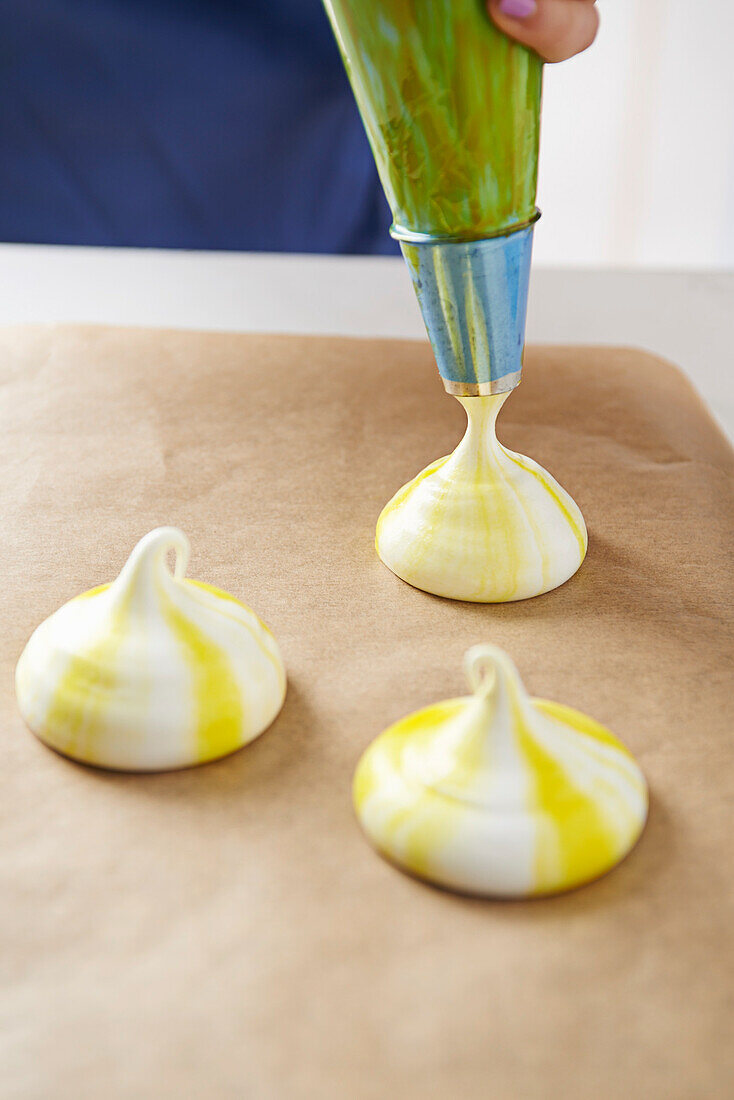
column 573, row 836
column 413, row 823
column 548, row 484
column 402, row 494
column 92, row 592
column 583, row 724
column 76, row 716
column 248, row 620
column 219, row 714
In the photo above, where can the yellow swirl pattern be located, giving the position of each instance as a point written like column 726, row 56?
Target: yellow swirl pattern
column 499, row 794
column 151, row 672
column 484, row 524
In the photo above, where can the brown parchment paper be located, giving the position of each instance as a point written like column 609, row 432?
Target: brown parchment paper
column 226, row 931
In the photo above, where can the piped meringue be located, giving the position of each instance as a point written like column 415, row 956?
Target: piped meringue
column 499, row 794
column 484, row 524
column 152, row 672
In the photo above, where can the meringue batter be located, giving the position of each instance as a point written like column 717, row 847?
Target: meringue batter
column 484, row 524
column 499, row 794
column 153, row 671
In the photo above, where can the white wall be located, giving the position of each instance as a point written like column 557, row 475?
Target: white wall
column 637, row 152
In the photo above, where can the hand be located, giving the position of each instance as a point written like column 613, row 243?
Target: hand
column 555, row 29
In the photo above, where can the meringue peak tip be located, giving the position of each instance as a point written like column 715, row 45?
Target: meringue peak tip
column 486, row 667
column 153, row 548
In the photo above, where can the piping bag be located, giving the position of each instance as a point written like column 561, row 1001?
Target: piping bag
column 451, row 107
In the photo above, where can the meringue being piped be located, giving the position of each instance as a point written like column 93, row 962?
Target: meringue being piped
column 499, row 794
column 484, row 524
column 152, row 672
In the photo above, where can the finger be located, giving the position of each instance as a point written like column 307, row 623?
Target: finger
column 556, row 29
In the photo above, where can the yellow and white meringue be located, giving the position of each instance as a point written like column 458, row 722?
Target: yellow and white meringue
column 153, row 671
column 499, row 794
column 483, row 524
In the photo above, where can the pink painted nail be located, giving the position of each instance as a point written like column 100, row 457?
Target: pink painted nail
column 518, row 9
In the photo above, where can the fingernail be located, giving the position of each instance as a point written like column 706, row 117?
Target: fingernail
column 518, row 9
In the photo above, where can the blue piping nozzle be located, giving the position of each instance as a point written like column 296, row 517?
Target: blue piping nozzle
column 473, row 296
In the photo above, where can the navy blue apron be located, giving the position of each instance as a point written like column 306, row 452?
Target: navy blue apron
column 225, row 124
